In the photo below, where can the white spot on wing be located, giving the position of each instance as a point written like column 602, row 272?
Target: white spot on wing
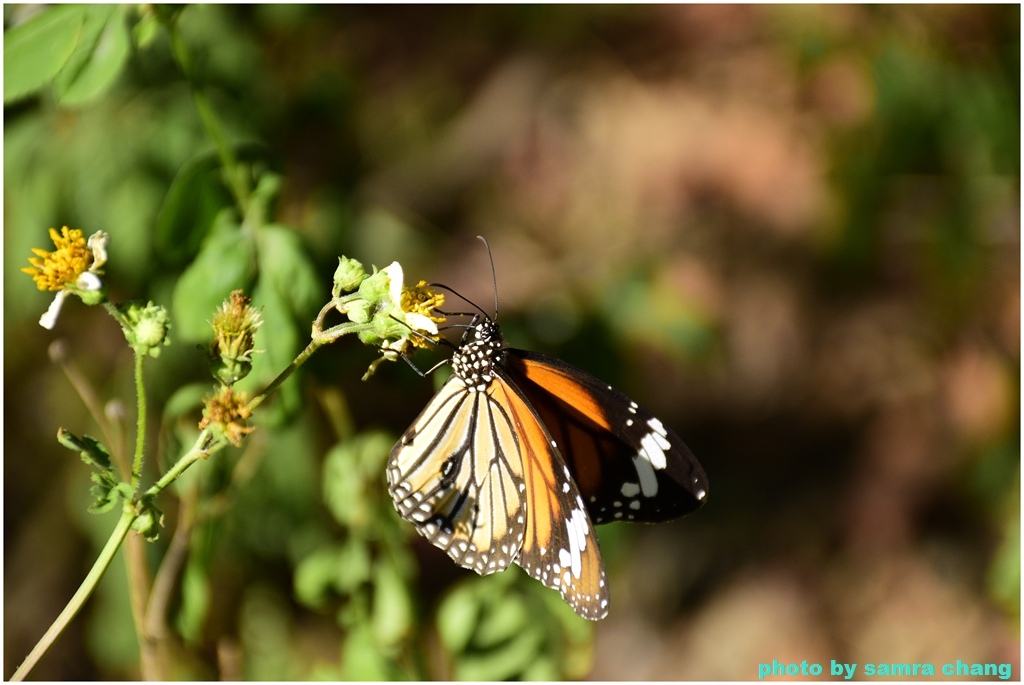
column 657, row 427
column 630, row 489
column 578, row 528
column 652, row 448
column 648, row 480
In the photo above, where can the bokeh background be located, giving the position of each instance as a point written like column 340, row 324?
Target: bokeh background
column 793, row 232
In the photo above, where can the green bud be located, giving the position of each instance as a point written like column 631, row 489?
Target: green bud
column 349, row 274
column 148, row 326
column 374, row 289
column 149, row 520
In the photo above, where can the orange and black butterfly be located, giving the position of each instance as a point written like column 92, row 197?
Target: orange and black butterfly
column 520, row 454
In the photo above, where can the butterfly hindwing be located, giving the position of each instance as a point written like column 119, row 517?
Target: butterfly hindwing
column 627, row 464
column 560, row 547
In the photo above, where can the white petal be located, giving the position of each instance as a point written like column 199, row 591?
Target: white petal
column 98, row 246
column 395, row 276
column 421, row 323
column 49, row 319
column 87, row 280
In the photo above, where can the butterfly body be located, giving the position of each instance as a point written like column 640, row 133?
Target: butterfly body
column 518, row 455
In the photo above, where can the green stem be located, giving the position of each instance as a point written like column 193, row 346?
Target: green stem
column 140, row 423
column 312, row 347
column 118, row 315
column 320, row 338
column 83, row 593
column 202, row 448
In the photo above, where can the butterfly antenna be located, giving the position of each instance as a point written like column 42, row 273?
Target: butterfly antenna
column 494, row 277
column 461, row 297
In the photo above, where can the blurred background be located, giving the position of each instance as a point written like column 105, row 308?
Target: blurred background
column 792, row 232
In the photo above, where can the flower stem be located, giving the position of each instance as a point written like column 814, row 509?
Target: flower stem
column 83, row 593
column 312, row 347
column 118, row 315
column 320, row 338
column 202, row 448
column 140, row 422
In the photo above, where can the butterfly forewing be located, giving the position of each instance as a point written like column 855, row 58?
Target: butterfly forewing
column 456, row 475
column 627, row 464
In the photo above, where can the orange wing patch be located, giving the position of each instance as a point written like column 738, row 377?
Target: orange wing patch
column 562, row 385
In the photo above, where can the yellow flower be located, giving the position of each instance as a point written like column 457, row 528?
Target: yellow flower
column 420, row 304
column 53, row 271
column 74, row 267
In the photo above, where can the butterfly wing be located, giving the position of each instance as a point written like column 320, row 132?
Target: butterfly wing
column 560, row 547
column 627, row 464
column 479, row 476
column 457, row 476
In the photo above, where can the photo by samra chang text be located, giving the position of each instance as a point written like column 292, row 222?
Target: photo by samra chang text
column 839, row 669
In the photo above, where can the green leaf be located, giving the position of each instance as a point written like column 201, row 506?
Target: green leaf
column 185, row 400
column 36, row 51
column 107, row 492
column 225, row 262
column 149, row 521
column 457, row 618
column 361, row 657
column 286, row 266
column 147, row 29
column 195, row 203
column 505, row 617
column 91, row 450
column 195, row 582
column 392, row 606
column 99, row 57
column 353, row 565
column 314, row 577
column 351, row 470
column 506, row 662
column 278, row 343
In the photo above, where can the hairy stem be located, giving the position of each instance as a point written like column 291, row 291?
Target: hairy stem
column 79, row 598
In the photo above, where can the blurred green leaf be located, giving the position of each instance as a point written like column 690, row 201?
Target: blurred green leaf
column 392, row 605
column 504, row 618
column 277, row 342
column 186, row 400
column 286, row 266
column 194, row 205
column 361, row 656
column 511, row 661
column 338, row 570
column 507, row 626
column 351, row 470
column 457, row 618
column 36, row 51
column 98, row 58
column 225, row 262
column 195, row 587
column 147, row 29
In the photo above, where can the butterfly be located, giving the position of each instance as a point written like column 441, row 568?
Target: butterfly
column 519, row 455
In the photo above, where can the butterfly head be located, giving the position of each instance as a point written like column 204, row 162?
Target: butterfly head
column 476, row 357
